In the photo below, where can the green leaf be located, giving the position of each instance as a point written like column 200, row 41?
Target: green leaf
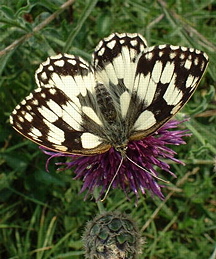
column 104, row 22
column 16, row 161
column 7, row 12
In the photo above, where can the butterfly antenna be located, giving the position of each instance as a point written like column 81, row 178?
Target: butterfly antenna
column 108, row 189
column 158, row 178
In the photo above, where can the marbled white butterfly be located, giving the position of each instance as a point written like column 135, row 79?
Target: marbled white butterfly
column 127, row 93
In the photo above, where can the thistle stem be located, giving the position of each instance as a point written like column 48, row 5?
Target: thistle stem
column 98, row 201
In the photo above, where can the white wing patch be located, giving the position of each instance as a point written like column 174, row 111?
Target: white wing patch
column 28, row 117
column 91, row 114
column 145, row 121
column 141, row 85
column 173, row 95
column 36, row 133
column 167, row 73
column 190, row 81
column 55, row 135
column 124, row 103
column 156, row 72
column 48, row 114
column 90, row 140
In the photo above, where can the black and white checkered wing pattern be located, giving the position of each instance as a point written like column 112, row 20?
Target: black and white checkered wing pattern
column 127, row 93
column 59, row 114
column 115, row 59
column 165, row 79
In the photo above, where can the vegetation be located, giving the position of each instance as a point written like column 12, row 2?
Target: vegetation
column 42, row 214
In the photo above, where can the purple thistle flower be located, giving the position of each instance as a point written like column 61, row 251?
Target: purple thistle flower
column 138, row 174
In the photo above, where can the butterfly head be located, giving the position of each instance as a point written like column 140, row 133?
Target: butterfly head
column 122, row 149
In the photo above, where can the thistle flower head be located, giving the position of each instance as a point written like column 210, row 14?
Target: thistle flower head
column 136, row 172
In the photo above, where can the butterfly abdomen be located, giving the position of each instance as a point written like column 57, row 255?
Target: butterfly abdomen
column 105, row 103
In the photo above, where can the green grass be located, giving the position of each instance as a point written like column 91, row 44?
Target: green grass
column 42, row 215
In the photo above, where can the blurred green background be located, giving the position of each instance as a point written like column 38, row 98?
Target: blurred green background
column 42, row 215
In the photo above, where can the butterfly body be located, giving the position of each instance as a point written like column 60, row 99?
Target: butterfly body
column 127, row 93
